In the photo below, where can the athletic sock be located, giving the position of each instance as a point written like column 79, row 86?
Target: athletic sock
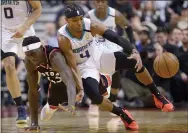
column 118, row 111
column 112, row 97
column 18, row 101
column 154, row 90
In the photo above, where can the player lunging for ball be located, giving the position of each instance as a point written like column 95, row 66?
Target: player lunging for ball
column 78, row 44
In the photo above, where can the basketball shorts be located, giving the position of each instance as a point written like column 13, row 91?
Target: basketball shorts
column 57, row 94
column 11, row 46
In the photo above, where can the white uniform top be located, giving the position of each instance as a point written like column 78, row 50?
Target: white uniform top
column 89, row 54
column 14, row 13
column 85, row 47
column 110, row 23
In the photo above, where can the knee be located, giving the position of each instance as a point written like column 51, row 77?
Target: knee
column 96, row 100
column 9, row 64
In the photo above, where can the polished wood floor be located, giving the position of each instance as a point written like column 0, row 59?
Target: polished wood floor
column 94, row 121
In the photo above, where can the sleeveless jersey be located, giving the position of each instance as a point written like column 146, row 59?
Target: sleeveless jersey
column 14, row 12
column 110, row 23
column 85, row 47
column 46, row 70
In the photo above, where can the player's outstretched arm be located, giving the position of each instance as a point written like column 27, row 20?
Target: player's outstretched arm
column 58, row 62
column 100, row 29
column 66, row 49
column 33, row 95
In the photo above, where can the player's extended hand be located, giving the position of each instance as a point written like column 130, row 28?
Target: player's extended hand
column 19, row 32
column 68, row 108
column 135, row 55
column 33, row 127
column 80, row 95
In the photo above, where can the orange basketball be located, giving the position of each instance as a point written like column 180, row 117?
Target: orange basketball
column 166, row 65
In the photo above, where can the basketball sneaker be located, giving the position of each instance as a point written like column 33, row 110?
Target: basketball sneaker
column 162, row 103
column 47, row 112
column 22, row 115
column 131, row 125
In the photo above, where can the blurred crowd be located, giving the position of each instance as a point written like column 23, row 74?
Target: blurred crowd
column 159, row 26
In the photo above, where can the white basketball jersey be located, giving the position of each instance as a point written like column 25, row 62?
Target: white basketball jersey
column 14, row 12
column 85, row 47
column 110, row 23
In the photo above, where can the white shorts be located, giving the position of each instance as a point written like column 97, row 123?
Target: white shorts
column 14, row 45
column 94, row 66
column 105, row 65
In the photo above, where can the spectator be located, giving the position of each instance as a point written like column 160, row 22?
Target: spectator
column 145, row 43
column 177, row 35
column 162, row 39
column 180, row 82
column 51, row 37
column 183, row 58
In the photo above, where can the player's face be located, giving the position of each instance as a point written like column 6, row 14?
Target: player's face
column 185, row 37
column 76, row 23
column 101, row 5
column 35, row 55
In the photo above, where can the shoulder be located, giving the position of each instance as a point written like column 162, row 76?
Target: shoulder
column 64, row 43
column 62, row 38
column 62, row 29
column 55, row 54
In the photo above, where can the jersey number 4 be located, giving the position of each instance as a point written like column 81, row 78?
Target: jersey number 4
column 8, row 12
column 87, row 55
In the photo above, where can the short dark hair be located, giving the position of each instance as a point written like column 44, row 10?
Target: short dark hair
column 30, row 40
column 162, row 30
column 72, row 8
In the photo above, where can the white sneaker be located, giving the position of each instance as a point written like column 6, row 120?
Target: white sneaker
column 47, row 113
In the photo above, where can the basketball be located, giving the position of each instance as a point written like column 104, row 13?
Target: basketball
column 166, row 65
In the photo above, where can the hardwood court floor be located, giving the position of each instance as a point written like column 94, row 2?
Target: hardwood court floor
column 92, row 121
